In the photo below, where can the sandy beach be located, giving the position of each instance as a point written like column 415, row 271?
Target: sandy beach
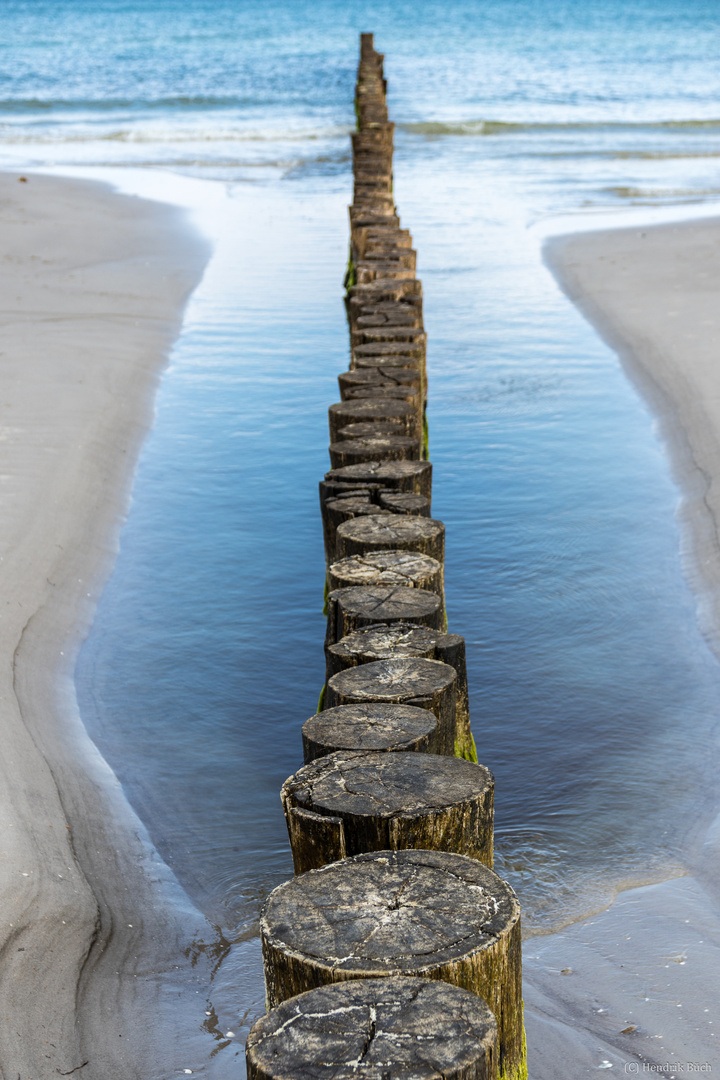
column 636, row 988
column 98, row 942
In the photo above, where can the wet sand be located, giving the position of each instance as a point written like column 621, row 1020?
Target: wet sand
column 97, row 941
column 636, row 988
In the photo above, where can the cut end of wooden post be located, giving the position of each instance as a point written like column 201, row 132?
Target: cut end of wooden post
column 376, row 1028
column 384, row 727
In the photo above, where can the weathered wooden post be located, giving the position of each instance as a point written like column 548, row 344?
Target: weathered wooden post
column 374, row 448
column 399, row 1028
column 368, row 298
column 366, row 800
column 388, row 365
column 433, row 914
column 380, row 726
column 382, row 334
column 343, row 413
column 387, row 568
column 342, row 499
column 374, row 300
column 389, row 391
column 395, row 532
column 409, row 476
column 350, row 382
column 430, row 684
column 368, row 215
column 349, row 609
column 404, row 503
column 400, row 351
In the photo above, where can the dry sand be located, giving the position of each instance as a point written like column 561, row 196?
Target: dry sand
column 636, row 989
column 92, row 925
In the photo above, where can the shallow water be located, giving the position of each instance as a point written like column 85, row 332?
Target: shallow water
column 594, row 696
column 587, row 670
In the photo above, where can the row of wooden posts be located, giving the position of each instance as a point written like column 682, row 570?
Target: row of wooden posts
column 394, row 952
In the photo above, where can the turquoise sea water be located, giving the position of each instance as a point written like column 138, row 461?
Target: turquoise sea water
column 594, row 696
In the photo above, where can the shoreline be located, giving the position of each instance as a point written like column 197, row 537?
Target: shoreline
column 636, row 986
column 652, row 332
column 103, row 956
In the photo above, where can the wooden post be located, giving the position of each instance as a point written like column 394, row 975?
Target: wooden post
column 411, row 476
column 379, row 243
column 343, row 413
column 367, row 47
column 387, row 568
column 386, row 642
column 368, row 334
column 399, row 1028
column 362, row 215
column 371, row 271
column 380, row 292
column 406, row 311
column 430, row 684
column 390, row 392
column 382, row 802
column 397, row 532
column 433, row 914
column 339, row 489
column 374, row 448
column 396, row 349
column 389, row 361
column 375, row 726
column 388, row 365
column 404, row 503
column 349, row 609
column 362, row 378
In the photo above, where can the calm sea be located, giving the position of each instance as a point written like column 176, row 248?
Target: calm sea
column 594, row 696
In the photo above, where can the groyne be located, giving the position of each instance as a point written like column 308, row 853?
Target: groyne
column 390, row 819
